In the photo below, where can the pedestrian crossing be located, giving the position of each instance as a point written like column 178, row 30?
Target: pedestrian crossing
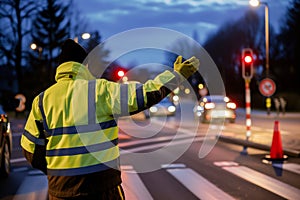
column 281, row 189
column 133, row 185
column 34, row 186
column 205, row 190
column 193, row 181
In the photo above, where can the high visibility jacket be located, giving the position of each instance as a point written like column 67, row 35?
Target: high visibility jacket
column 79, row 115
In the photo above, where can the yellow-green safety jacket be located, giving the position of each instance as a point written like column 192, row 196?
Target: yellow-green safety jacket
column 79, row 115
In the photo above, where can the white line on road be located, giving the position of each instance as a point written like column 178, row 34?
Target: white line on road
column 172, row 125
column 266, row 182
column 133, row 186
column 198, row 185
column 163, row 144
column 16, row 160
column 160, row 139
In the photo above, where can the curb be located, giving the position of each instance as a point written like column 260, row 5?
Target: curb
column 273, row 114
column 289, row 152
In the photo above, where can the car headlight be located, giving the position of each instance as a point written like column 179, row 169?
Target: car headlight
column 209, row 105
column 231, row 105
column 171, row 108
column 175, row 98
column 200, row 108
column 153, row 109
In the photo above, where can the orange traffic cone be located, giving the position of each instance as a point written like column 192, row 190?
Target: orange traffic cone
column 276, row 153
column 276, row 148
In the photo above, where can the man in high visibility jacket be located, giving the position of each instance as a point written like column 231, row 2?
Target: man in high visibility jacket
column 71, row 133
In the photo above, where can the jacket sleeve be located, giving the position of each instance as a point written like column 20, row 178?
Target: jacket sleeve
column 32, row 141
column 30, row 136
column 127, row 99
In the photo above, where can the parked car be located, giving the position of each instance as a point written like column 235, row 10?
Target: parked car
column 164, row 108
column 5, row 143
column 215, row 107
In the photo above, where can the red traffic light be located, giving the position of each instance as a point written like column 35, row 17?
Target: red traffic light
column 121, row 73
column 248, row 59
column 247, row 63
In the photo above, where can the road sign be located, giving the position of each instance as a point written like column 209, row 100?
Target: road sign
column 267, row 87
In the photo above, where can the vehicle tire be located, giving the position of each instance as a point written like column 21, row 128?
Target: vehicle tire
column 5, row 162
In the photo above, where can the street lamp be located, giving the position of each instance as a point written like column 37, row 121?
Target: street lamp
column 84, row 36
column 34, row 46
column 256, row 3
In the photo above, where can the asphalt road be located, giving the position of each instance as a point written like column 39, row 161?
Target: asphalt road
column 178, row 158
column 222, row 174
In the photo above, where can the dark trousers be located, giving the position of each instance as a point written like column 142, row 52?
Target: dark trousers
column 116, row 193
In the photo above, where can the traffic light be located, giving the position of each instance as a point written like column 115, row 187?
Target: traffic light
column 120, row 73
column 247, row 63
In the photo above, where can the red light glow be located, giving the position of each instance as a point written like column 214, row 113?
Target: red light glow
column 248, row 59
column 121, row 73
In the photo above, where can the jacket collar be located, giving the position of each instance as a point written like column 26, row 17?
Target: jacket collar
column 73, row 70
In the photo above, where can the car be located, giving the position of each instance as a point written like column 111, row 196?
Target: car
column 215, row 107
column 164, row 108
column 5, row 143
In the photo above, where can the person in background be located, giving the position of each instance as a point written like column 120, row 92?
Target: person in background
column 71, row 133
column 277, row 105
column 282, row 104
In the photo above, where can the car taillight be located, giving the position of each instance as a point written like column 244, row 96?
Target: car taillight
column 209, row 106
column 231, row 105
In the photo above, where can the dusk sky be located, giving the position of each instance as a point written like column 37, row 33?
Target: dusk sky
column 110, row 17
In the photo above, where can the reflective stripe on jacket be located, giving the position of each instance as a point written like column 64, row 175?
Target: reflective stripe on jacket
column 79, row 115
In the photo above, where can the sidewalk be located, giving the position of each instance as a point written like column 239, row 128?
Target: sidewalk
column 245, row 143
column 264, row 114
column 257, row 143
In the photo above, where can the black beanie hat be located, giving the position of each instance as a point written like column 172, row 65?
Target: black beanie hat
column 72, row 51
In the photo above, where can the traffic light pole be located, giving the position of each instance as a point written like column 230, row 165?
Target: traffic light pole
column 248, row 112
column 247, row 73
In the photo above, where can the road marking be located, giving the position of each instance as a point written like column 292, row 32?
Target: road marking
column 198, row 185
column 292, row 167
column 225, row 163
column 173, row 165
column 16, row 160
column 34, row 187
column 163, row 144
column 171, row 126
column 264, row 181
column 133, row 186
column 145, row 141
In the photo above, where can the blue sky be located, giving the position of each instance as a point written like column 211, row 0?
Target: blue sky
column 111, row 17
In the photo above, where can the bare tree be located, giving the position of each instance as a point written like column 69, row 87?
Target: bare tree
column 289, row 51
column 15, row 20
